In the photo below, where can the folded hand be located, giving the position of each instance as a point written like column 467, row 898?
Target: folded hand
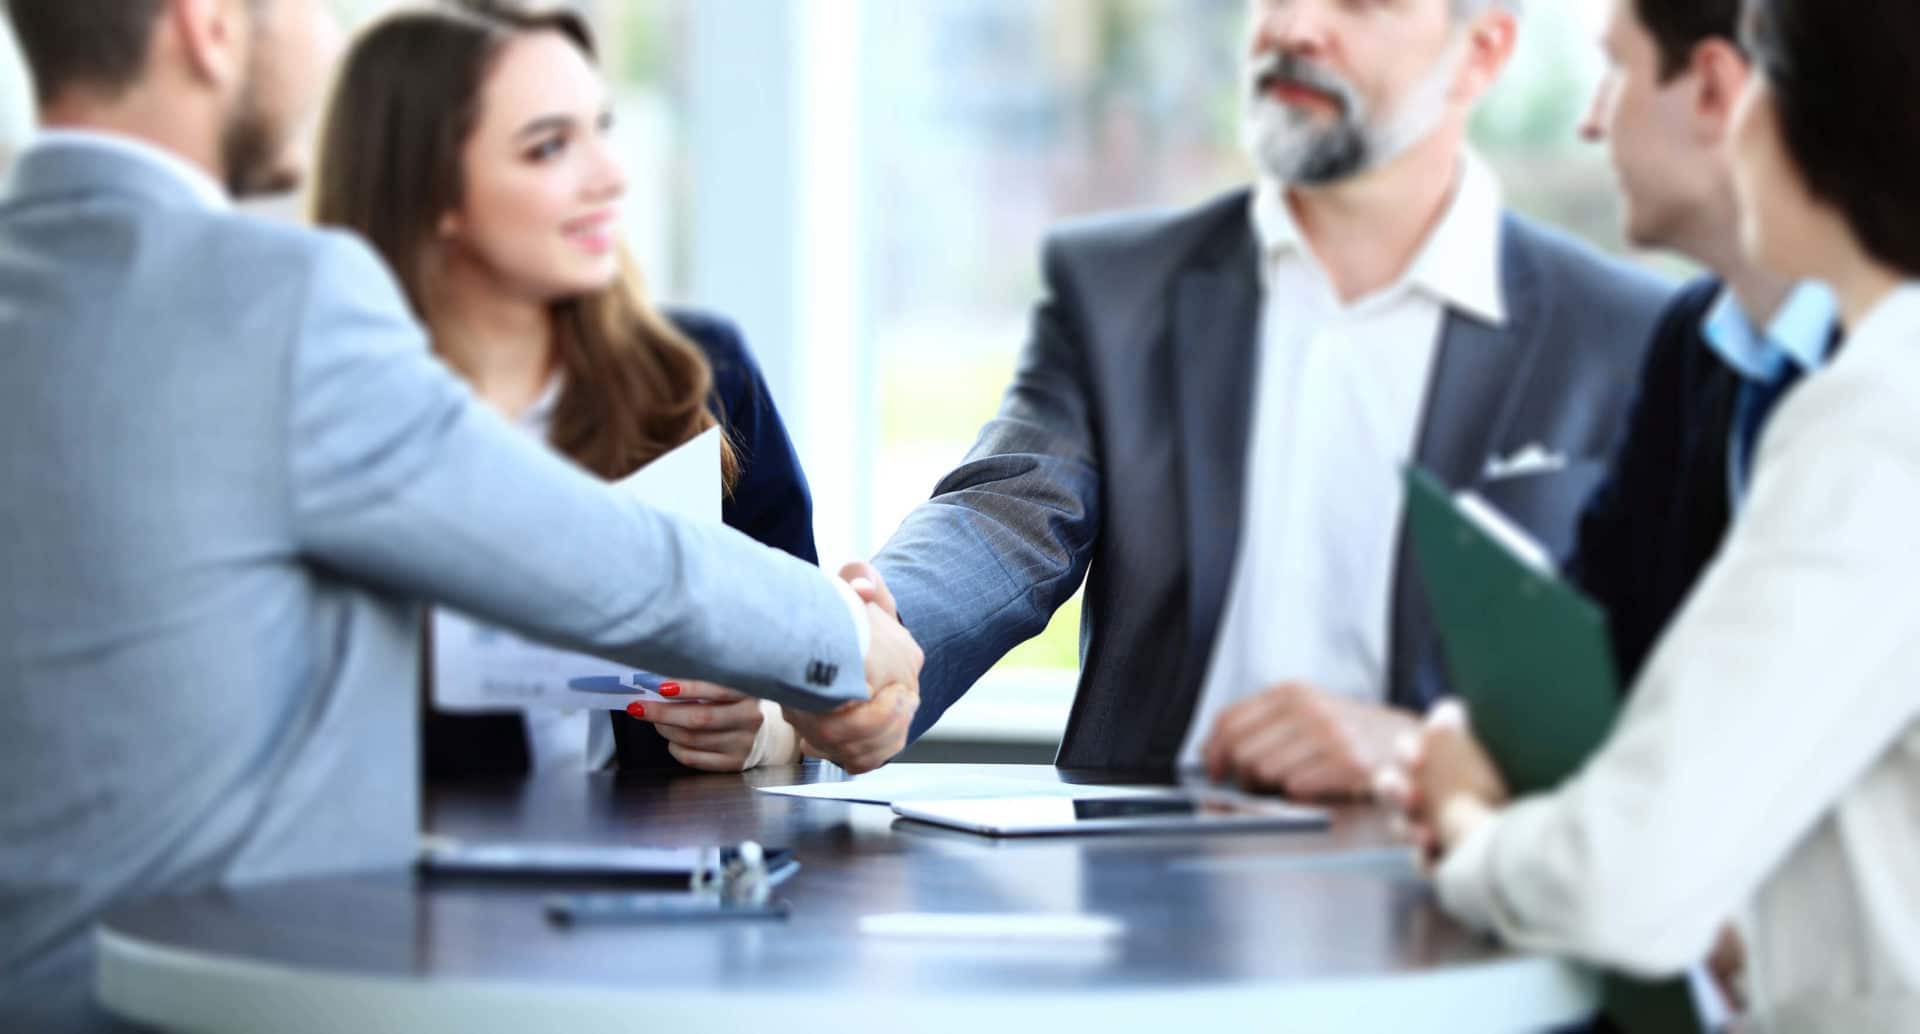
column 1306, row 743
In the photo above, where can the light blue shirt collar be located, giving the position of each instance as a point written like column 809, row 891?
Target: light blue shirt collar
column 1799, row 333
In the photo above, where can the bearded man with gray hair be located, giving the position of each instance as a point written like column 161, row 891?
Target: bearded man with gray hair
column 1208, row 422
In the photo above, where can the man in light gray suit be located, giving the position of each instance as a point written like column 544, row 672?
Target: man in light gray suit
column 1208, row 422
column 230, row 470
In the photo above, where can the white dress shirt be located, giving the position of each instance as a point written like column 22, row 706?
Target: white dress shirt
column 1769, row 761
column 1336, row 414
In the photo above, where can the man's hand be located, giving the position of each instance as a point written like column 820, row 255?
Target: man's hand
column 892, row 655
column 708, row 727
column 1305, row 743
column 861, row 737
column 866, row 581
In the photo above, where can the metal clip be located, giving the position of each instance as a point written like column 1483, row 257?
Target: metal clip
column 736, row 875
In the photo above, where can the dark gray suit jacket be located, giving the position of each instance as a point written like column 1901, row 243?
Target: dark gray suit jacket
column 1121, row 447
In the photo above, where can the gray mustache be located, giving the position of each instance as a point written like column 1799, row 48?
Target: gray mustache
column 1293, row 70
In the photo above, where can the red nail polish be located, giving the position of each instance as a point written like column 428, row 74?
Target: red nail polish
column 669, row 689
column 637, row 709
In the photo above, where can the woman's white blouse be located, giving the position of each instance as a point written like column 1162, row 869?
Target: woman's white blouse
column 1768, row 765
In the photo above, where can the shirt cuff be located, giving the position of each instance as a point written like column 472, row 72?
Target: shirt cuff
column 857, row 609
column 1466, row 879
column 777, row 742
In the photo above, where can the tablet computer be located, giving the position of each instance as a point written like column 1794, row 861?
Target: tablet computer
column 1157, row 813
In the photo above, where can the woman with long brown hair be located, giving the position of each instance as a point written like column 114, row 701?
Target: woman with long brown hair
column 469, row 145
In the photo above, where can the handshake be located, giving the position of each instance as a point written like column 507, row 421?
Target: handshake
column 861, row 737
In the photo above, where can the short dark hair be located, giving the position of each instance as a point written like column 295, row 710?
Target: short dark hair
column 1841, row 80
column 101, row 44
column 1678, row 27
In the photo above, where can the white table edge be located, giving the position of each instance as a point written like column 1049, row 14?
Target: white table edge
column 180, row 989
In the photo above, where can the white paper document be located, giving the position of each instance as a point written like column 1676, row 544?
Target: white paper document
column 480, row 668
column 899, row 783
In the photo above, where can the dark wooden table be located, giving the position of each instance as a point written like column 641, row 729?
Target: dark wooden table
column 1319, row 931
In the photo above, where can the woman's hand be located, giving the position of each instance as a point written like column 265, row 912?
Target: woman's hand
column 708, row 727
column 1445, row 786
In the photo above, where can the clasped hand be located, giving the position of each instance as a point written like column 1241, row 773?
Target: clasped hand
column 1443, row 785
column 862, row 736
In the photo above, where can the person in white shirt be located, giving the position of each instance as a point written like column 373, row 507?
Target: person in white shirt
column 1767, row 768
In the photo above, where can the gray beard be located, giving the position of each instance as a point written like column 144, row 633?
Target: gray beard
column 1296, row 154
column 1287, row 148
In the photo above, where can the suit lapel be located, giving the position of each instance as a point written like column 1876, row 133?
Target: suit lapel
column 1467, row 399
column 1215, row 329
column 1479, row 372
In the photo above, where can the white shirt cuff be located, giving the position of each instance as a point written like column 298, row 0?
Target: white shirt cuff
column 857, row 609
column 1466, row 879
column 777, row 742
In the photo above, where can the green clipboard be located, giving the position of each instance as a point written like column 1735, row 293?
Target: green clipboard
column 1527, row 652
column 1531, row 657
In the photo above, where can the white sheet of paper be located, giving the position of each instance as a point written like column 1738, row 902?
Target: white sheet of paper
column 889, row 786
column 480, row 668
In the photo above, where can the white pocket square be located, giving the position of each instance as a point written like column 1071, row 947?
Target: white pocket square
column 1529, row 461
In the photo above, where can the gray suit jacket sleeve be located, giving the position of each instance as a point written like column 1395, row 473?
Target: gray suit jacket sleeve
column 401, row 478
column 1007, row 537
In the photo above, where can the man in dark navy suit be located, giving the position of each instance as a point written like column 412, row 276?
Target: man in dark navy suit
column 1728, row 349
